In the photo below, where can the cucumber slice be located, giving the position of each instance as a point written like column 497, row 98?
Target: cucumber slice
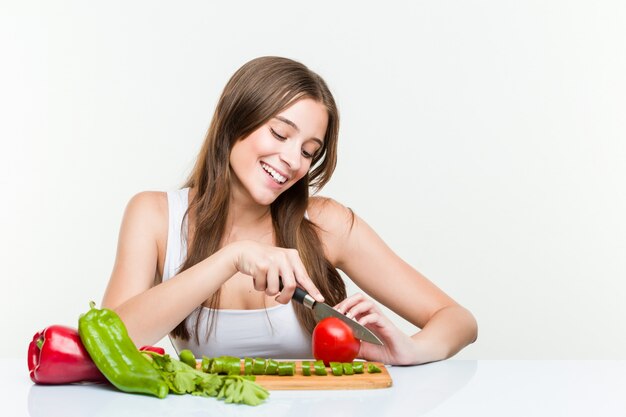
column 247, row 366
column 258, row 367
column 373, row 369
column 306, row 368
column 286, row 368
column 319, row 368
column 272, row 367
column 347, row 369
column 336, row 368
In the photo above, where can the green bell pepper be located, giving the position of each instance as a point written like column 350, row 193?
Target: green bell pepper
column 106, row 339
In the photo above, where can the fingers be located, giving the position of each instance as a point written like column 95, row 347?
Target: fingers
column 273, row 276
column 288, row 286
column 346, row 305
column 268, row 264
column 293, row 273
column 303, row 279
column 373, row 319
column 357, row 306
column 259, row 280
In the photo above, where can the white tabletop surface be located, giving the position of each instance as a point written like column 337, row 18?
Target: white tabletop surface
column 449, row 388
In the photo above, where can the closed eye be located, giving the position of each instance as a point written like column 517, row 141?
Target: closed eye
column 305, row 153
column 277, row 136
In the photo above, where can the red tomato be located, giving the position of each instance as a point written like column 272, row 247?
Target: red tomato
column 333, row 341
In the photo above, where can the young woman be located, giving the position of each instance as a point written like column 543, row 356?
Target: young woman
column 202, row 264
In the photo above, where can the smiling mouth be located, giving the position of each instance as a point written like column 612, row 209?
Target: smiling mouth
column 272, row 173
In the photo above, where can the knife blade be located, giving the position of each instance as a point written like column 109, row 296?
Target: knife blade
column 323, row 310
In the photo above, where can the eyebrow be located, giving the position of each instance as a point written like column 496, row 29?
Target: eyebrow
column 295, row 126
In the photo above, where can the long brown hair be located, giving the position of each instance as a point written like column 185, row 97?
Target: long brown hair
column 258, row 91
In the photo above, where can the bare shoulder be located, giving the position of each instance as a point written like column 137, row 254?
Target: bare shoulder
column 334, row 223
column 330, row 215
column 148, row 211
column 140, row 246
column 148, row 203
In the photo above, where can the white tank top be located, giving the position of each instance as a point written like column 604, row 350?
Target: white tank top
column 270, row 333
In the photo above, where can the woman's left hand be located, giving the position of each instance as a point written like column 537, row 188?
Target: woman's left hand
column 398, row 349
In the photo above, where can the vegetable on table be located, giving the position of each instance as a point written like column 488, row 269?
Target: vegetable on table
column 155, row 349
column 242, row 390
column 205, row 364
column 247, row 366
column 187, row 356
column 319, row 368
column 333, row 341
column 56, row 355
column 105, row 338
column 287, row 368
column 229, row 365
column 336, row 368
column 184, row 379
column 306, row 368
column 347, row 369
column 357, row 367
column 373, row 369
column 258, row 366
column 271, row 367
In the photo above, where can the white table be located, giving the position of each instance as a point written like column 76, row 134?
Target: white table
column 448, row 388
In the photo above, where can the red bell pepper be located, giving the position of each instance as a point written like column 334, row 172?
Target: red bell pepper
column 57, row 356
column 155, row 349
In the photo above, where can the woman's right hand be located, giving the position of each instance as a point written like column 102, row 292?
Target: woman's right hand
column 267, row 265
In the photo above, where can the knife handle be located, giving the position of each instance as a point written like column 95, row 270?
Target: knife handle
column 299, row 295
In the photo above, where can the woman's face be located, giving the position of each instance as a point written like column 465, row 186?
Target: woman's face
column 279, row 153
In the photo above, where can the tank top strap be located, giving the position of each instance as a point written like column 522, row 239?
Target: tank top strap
column 176, row 249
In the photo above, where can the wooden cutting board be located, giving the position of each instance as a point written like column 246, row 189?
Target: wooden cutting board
column 328, row 382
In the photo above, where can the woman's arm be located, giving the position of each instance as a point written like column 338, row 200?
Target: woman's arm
column 356, row 249
column 150, row 312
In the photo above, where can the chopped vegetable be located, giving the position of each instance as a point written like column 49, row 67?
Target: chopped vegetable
column 272, row 367
column 306, row 368
column 179, row 376
column 247, row 366
column 336, row 368
column 357, row 367
column 319, row 368
column 373, row 369
column 229, row 365
column 217, row 365
column 347, row 369
column 231, row 388
column 187, row 356
column 206, row 364
column 286, row 368
column 242, row 390
column 258, row 367
column 234, row 366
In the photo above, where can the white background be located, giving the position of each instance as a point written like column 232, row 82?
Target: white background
column 483, row 140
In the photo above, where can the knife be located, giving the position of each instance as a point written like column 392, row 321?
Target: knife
column 323, row 310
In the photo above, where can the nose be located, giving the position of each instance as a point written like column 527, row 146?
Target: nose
column 291, row 155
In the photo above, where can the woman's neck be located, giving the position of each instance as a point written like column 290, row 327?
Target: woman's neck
column 247, row 216
column 245, row 220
